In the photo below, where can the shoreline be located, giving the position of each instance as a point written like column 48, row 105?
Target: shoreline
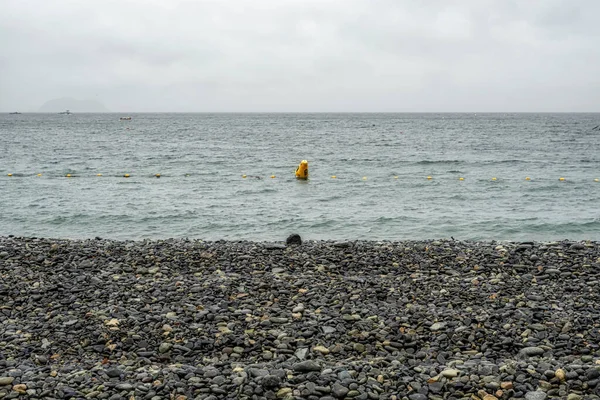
column 189, row 319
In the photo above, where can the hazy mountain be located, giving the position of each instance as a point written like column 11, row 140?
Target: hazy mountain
column 74, row 105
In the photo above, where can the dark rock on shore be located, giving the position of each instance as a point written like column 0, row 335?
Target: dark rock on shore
column 294, row 240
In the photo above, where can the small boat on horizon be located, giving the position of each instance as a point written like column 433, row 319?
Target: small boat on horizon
column 125, row 119
column 66, row 112
column 14, row 113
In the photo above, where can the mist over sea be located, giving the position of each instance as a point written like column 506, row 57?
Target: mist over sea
column 381, row 163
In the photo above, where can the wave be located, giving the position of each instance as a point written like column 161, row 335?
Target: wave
column 510, row 161
column 323, row 223
column 428, row 162
column 566, row 227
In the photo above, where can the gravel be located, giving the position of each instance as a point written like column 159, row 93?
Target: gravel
column 182, row 319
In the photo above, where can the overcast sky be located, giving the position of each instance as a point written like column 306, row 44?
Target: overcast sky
column 302, row 55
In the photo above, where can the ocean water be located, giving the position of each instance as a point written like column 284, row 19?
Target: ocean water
column 381, row 162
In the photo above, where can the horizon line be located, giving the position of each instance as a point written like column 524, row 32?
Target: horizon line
column 304, row 112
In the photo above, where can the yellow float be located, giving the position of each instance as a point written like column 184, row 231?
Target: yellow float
column 302, row 170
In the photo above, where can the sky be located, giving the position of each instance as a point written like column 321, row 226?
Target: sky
column 302, row 55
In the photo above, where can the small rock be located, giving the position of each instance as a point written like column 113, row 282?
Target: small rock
column 301, row 353
column 306, row 366
column 338, row 390
column 20, row 388
column 592, row 373
column 344, row 374
column 270, row 381
column 6, row 380
column 328, row 329
column 359, row 347
column 538, row 327
column 298, row 309
column 532, row 351
column 171, row 315
column 283, row 392
column 124, row 386
column 537, row 395
column 450, row 373
column 437, row 326
column 258, row 372
column 114, row 372
column 164, row 347
column 293, row 240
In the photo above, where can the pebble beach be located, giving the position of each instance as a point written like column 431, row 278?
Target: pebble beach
column 187, row 319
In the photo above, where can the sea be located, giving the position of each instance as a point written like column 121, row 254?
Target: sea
column 471, row 176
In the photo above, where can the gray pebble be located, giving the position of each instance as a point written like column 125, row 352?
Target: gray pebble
column 532, row 351
column 537, row 395
column 306, row 366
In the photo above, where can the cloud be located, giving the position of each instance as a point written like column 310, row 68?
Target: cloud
column 293, row 55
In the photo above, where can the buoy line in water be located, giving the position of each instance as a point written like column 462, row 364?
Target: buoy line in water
column 250, row 177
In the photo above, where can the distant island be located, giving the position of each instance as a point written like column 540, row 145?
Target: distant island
column 74, row 105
